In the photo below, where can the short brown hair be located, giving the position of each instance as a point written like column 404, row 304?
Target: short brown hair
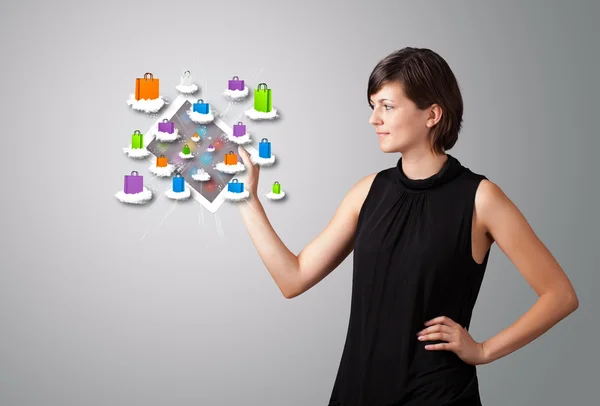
column 425, row 78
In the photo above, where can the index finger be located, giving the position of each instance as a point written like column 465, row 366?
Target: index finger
column 447, row 321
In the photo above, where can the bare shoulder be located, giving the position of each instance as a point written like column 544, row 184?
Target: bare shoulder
column 492, row 204
column 360, row 190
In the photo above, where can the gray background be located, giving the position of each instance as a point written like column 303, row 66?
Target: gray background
column 103, row 303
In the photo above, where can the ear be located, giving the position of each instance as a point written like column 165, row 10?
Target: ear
column 434, row 115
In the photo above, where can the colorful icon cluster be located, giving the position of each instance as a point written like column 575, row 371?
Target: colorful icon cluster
column 148, row 88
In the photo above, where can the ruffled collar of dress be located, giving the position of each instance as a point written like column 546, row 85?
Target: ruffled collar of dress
column 451, row 168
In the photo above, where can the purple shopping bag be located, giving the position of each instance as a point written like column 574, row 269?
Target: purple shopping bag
column 239, row 129
column 134, row 183
column 166, row 126
column 236, row 84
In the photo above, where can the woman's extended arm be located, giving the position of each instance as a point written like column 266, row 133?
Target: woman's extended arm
column 296, row 274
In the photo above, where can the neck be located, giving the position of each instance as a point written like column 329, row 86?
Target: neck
column 422, row 166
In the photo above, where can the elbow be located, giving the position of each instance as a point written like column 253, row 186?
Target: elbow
column 574, row 301
column 289, row 295
column 570, row 301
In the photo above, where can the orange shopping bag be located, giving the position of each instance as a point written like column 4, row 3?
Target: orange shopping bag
column 231, row 158
column 161, row 162
column 146, row 87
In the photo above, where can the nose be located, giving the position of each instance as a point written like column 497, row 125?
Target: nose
column 374, row 119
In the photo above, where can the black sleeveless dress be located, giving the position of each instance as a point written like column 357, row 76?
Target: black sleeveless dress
column 412, row 263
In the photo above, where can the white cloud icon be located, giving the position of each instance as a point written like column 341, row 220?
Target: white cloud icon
column 187, row 89
column 136, row 153
column 166, row 137
column 236, row 197
column 201, row 176
column 178, row 195
column 230, row 169
column 160, row 171
column 242, row 140
column 275, row 196
column 186, row 156
column 135, row 198
column 200, row 118
column 261, row 115
column 256, row 159
column 236, row 94
column 146, row 105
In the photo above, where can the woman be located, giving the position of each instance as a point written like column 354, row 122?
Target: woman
column 421, row 234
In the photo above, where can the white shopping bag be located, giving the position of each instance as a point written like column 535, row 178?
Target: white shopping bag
column 187, row 79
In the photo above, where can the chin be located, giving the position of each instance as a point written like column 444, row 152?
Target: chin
column 390, row 148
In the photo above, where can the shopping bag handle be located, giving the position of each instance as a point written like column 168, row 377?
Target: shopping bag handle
column 234, row 181
column 151, row 76
column 235, row 78
column 137, row 132
column 264, row 140
column 136, row 173
column 200, row 101
column 266, row 87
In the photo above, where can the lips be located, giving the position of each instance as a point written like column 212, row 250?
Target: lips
column 382, row 134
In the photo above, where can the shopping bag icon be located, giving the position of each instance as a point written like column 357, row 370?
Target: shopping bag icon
column 235, row 186
column 166, row 126
column 239, row 129
column 262, row 98
column 264, row 148
column 201, row 107
column 187, row 79
column 137, row 140
column 178, row 183
column 161, row 162
column 134, row 183
column 146, row 87
column 276, row 188
column 186, row 149
column 235, row 84
column 231, row 158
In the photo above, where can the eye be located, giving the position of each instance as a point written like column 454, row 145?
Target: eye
column 387, row 107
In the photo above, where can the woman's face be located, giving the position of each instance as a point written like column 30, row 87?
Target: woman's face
column 399, row 124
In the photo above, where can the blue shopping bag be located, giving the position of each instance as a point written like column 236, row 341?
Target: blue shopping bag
column 264, row 148
column 178, row 183
column 235, row 186
column 201, row 107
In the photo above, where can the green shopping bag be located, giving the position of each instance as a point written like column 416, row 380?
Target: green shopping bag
column 262, row 98
column 276, row 188
column 137, row 140
column 186, row 149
